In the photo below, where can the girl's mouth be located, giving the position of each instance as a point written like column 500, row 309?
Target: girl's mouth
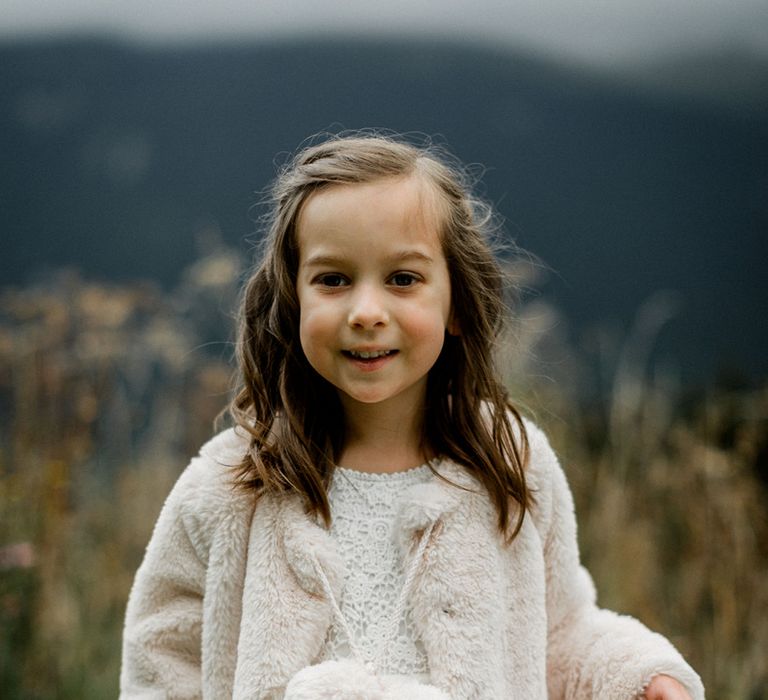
column 368, row 354
column 369, row 360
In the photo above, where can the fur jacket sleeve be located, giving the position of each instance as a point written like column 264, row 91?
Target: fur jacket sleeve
column 591, row 652
column 227, row 602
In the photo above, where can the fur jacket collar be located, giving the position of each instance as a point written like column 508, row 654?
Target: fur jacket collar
column 229, row 601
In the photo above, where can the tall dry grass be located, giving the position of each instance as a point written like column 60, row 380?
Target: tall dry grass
column 671, row 487
column 106, row 391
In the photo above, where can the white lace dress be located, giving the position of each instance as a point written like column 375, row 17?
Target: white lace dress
column 364, row 507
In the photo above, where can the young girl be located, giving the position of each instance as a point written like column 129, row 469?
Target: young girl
column 381, row 522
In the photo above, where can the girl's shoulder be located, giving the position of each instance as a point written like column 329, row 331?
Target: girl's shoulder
column 543, row 472
column 225, row 449
column 206, row 491
column 541, row 457
column 544, row 476
column 213, row 469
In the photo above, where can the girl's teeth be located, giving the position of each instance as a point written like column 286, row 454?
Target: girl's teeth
column 369, row 355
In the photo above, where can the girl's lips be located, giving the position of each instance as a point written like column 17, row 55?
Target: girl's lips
column 368, row 354
column 369, row 364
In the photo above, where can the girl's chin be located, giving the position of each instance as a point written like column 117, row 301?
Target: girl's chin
column 401, row 399
column 364, row 399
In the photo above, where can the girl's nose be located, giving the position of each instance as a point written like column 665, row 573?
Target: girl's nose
column 368, row 310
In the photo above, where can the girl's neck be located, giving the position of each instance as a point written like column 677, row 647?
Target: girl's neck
column 381, row 440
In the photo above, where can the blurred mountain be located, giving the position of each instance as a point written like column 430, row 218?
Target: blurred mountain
column 729, row 75
column 120, row 159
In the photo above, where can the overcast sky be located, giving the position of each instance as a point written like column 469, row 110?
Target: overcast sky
column 593, row 30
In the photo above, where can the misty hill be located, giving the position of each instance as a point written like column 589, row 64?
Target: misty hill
column 116, row 158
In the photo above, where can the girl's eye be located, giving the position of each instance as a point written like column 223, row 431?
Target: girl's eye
column 403, row 279
column 331, row 280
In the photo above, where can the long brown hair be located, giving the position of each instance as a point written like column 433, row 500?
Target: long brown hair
column 294, row 416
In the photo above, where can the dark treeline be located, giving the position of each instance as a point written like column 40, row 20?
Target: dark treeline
column 120, row 159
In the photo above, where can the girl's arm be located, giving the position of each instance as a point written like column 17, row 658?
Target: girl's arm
column 162, row 636
column 591, row 652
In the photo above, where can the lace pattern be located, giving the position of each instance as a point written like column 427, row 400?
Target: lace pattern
column 364, row 508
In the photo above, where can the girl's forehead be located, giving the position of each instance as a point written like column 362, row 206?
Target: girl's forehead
column 411, row 199
column 392, row 213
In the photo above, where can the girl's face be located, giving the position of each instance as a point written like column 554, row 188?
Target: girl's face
column 373, row 289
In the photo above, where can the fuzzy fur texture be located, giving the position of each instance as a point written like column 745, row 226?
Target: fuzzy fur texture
column 350, row 680
column 227, row 602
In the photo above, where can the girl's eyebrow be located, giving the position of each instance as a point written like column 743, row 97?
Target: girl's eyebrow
column 410, row 254
column 400, row 256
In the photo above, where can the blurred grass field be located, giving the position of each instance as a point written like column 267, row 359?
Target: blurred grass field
column 107, row 390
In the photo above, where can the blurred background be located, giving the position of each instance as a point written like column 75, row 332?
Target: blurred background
column 624, row 144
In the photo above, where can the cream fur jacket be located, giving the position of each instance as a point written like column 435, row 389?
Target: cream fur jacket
column 228, row 602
